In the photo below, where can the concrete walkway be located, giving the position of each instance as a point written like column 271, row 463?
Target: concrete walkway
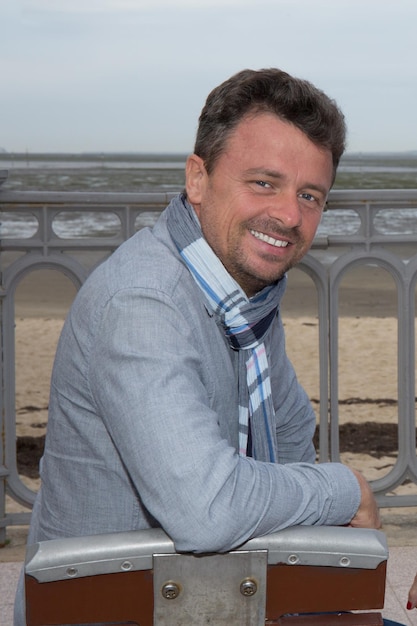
column 402, row 567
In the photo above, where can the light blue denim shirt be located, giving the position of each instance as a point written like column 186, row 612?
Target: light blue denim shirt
column 143, row 418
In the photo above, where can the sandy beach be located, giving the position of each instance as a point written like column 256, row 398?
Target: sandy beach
column 367, row 340
column 367, row 367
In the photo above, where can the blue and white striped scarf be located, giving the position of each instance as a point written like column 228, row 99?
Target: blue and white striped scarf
column 245, row 321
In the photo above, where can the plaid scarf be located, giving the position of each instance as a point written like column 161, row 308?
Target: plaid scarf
column 245, row 322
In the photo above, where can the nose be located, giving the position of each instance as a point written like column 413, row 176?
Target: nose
column 286, row 209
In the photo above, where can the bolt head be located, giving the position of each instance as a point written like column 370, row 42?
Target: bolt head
column 248, row 587
column 170, row 591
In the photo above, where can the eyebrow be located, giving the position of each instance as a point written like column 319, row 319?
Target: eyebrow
column 261, row 171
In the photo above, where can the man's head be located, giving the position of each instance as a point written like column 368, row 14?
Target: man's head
column 270, row 90
column 265, row 158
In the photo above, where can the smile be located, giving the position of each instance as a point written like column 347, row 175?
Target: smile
column 278, row 243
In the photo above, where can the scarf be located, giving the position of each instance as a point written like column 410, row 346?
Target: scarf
column 245, row 322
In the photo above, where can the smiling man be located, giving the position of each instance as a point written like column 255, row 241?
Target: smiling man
column 173, row 402
column 260, row 207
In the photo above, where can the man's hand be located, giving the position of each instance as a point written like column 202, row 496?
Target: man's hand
column 367, row 515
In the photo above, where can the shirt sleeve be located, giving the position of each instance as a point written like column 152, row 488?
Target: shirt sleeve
column 145, row 375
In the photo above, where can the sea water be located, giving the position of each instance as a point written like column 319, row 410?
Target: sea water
column 165, row 172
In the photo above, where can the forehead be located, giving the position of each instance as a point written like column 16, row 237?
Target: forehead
column 265, row 140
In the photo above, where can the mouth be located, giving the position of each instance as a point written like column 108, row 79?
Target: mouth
column 277, row 243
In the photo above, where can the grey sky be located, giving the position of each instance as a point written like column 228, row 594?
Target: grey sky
column 132, row 75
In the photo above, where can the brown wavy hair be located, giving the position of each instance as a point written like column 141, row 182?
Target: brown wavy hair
column 273, row 91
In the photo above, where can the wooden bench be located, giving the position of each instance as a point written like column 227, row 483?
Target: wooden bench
column 137, row 577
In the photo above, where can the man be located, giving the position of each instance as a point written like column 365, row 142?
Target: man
column 173, row 402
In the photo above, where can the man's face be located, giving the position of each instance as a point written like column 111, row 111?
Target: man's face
column 261, row 205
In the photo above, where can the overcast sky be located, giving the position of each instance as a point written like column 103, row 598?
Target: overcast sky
column 132, row 75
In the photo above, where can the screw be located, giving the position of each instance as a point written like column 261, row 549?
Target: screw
column 248, row 587
column 170, row 591
column 72, row 571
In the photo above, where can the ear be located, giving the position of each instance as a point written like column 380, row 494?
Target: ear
column 195, row 179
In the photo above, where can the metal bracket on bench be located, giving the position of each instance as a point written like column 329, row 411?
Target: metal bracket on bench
column 231, row 588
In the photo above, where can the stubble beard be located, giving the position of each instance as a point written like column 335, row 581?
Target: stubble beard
column 245, row 273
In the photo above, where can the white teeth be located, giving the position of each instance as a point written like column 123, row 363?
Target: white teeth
column 278, row 243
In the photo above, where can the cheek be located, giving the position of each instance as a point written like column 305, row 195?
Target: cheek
column 224, row 213
column 311, row 222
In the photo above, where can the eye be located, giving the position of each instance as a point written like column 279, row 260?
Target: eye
column 262, row 183
column 308, row 196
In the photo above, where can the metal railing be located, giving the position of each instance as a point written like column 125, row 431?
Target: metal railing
column 362, row 242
